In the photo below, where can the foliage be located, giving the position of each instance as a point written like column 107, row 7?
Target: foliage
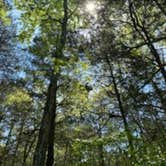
column 94, row 91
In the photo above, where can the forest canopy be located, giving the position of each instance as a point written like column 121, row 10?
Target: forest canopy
column 82, row 83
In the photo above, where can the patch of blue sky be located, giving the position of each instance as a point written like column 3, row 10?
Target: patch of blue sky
column 147, row 88
column 21, row 49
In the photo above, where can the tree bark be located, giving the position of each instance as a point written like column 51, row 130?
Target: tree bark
column 43, row 139
column 50, row 154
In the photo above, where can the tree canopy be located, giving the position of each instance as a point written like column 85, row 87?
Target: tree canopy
column 82, row 83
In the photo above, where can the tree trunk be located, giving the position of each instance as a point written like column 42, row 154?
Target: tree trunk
column 27, row 150
column 122, row 111
column 18, row 143
column 46, row 134
column 7, row 143
column 49, row 111
column 50, row 154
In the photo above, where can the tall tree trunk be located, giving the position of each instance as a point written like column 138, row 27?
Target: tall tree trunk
column 46, row 134
column 121, row 108
column 10, row 134
column 18, row 143
column 25, row 153
column 27, row 150
column 43, row 139
column 7, row 143
column 50, row 154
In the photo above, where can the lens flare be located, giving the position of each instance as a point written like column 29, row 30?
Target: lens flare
column 91, row 7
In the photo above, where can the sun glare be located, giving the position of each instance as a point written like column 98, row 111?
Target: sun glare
column 91, row 7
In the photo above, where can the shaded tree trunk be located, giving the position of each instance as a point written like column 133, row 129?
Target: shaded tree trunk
column 46, row 134
column 121, row 108
column 27, row 150
column 50, row 154
column 18, row 143
column 49, row 111
column 7, row 143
